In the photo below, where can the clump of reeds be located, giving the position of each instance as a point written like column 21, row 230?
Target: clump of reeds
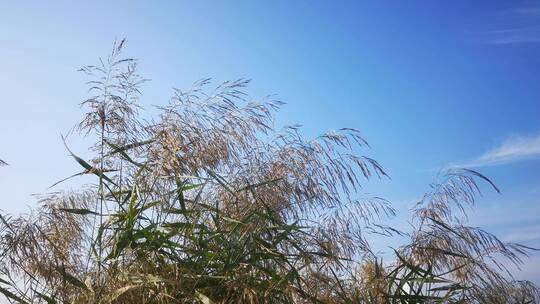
column 209, row 203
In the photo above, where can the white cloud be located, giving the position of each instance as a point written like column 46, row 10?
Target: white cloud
column 515, row 33
column 511, row 36
column 515, row 149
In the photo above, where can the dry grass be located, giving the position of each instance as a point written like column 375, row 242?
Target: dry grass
column 209, row 203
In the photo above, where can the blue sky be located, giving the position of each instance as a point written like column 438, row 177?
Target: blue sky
column 429, row 84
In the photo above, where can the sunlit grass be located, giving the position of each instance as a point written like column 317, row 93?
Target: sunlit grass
column 208, row 203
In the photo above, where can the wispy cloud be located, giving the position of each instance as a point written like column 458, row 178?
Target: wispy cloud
column 519, row 25
column 515, row 35
column 514, row 149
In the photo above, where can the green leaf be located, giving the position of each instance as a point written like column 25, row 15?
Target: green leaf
column 123, row 242
column 180, row 193
column 89, row 168
column 48, row 299
column 11, row 295
column 78, row 211
column 69, row 177
column 272, row 181
column 122, row 152
column 189, row 187
column 179, row 211
column 5, row 222
column 71, row 278
column 118, row 149
column 444, row 252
